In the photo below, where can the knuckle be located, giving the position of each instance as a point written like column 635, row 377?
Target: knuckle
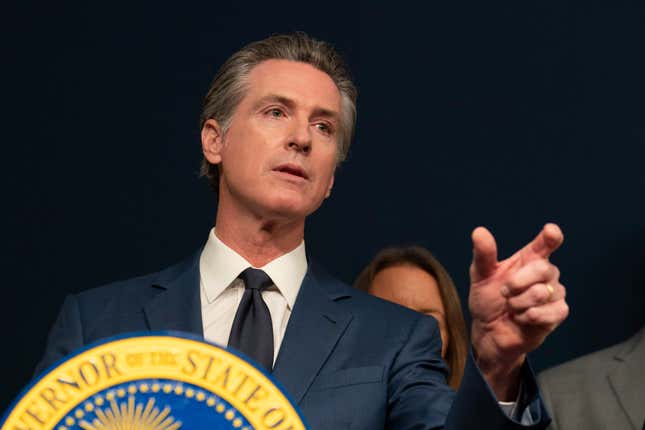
column 542, row 268
column 513, row 303
column 537, row 294
column 540, row 293
column 532, row 315
column 513, row 284
column 521, row 303
column 546, row 272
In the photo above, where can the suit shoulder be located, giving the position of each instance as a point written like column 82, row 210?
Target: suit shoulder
column 375, row 305
column 373, row 310
column 581, row 370
column 130, row 288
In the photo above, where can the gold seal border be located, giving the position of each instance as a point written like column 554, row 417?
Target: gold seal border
column 167, row 387
column 131, row 359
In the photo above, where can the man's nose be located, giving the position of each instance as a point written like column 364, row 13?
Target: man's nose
column 300, row 137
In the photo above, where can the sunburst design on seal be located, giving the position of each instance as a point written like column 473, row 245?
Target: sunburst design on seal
column 128, row 416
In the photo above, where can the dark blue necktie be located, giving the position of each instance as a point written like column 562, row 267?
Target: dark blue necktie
column 252, row 332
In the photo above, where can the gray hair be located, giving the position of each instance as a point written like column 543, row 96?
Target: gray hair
column 230, row 84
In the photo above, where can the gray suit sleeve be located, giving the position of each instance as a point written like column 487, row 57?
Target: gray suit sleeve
column 65, row 336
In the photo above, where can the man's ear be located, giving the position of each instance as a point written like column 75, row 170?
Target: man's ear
column 331, row 184
column 212, row 141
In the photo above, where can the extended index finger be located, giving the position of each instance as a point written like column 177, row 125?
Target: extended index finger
column 484, row 254
column 545, row 243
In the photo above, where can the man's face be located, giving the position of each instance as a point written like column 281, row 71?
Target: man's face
column 279, row 153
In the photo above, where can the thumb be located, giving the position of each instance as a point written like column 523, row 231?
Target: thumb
column 484, row 254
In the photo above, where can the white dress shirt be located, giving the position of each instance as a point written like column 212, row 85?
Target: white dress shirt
column 222, row 290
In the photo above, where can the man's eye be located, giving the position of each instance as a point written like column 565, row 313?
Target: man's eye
column 276, row 113
column 324, row 128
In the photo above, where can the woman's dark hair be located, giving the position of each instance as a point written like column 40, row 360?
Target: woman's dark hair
column 457, row 348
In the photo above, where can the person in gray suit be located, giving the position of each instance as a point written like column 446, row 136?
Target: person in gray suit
column 602, row 390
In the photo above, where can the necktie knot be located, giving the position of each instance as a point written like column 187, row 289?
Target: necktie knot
column 255, row 279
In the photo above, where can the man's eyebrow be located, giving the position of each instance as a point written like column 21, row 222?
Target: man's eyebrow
column 326, row 113
column 319, row 112
column 275, row 98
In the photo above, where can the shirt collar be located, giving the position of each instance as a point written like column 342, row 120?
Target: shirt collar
column 219, row 266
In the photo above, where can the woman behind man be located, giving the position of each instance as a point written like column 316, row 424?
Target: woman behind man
column 413, row 278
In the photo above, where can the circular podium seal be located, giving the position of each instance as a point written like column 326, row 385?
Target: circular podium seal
column 153, row 382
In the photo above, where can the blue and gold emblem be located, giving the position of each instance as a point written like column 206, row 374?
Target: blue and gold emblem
column 153, row 382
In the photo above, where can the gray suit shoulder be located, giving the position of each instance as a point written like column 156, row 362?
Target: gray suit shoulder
column 588, row 366
column 581, row 367
column 579, row 393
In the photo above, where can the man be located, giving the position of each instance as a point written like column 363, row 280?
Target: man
column 602, row 390
column 277, row 120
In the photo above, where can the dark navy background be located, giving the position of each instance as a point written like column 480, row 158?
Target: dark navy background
column 470, row 114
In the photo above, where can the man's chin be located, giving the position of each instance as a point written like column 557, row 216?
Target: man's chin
column 290, row 209
column 286, row 213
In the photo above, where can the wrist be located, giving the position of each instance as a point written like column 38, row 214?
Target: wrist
column 503, row 379
column 500, row 367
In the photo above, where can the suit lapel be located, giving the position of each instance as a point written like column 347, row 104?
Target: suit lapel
column 628, row 374
column 314, row 328
column 178, row 306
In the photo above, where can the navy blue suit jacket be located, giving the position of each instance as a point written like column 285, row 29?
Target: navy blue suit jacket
column 349, row 360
